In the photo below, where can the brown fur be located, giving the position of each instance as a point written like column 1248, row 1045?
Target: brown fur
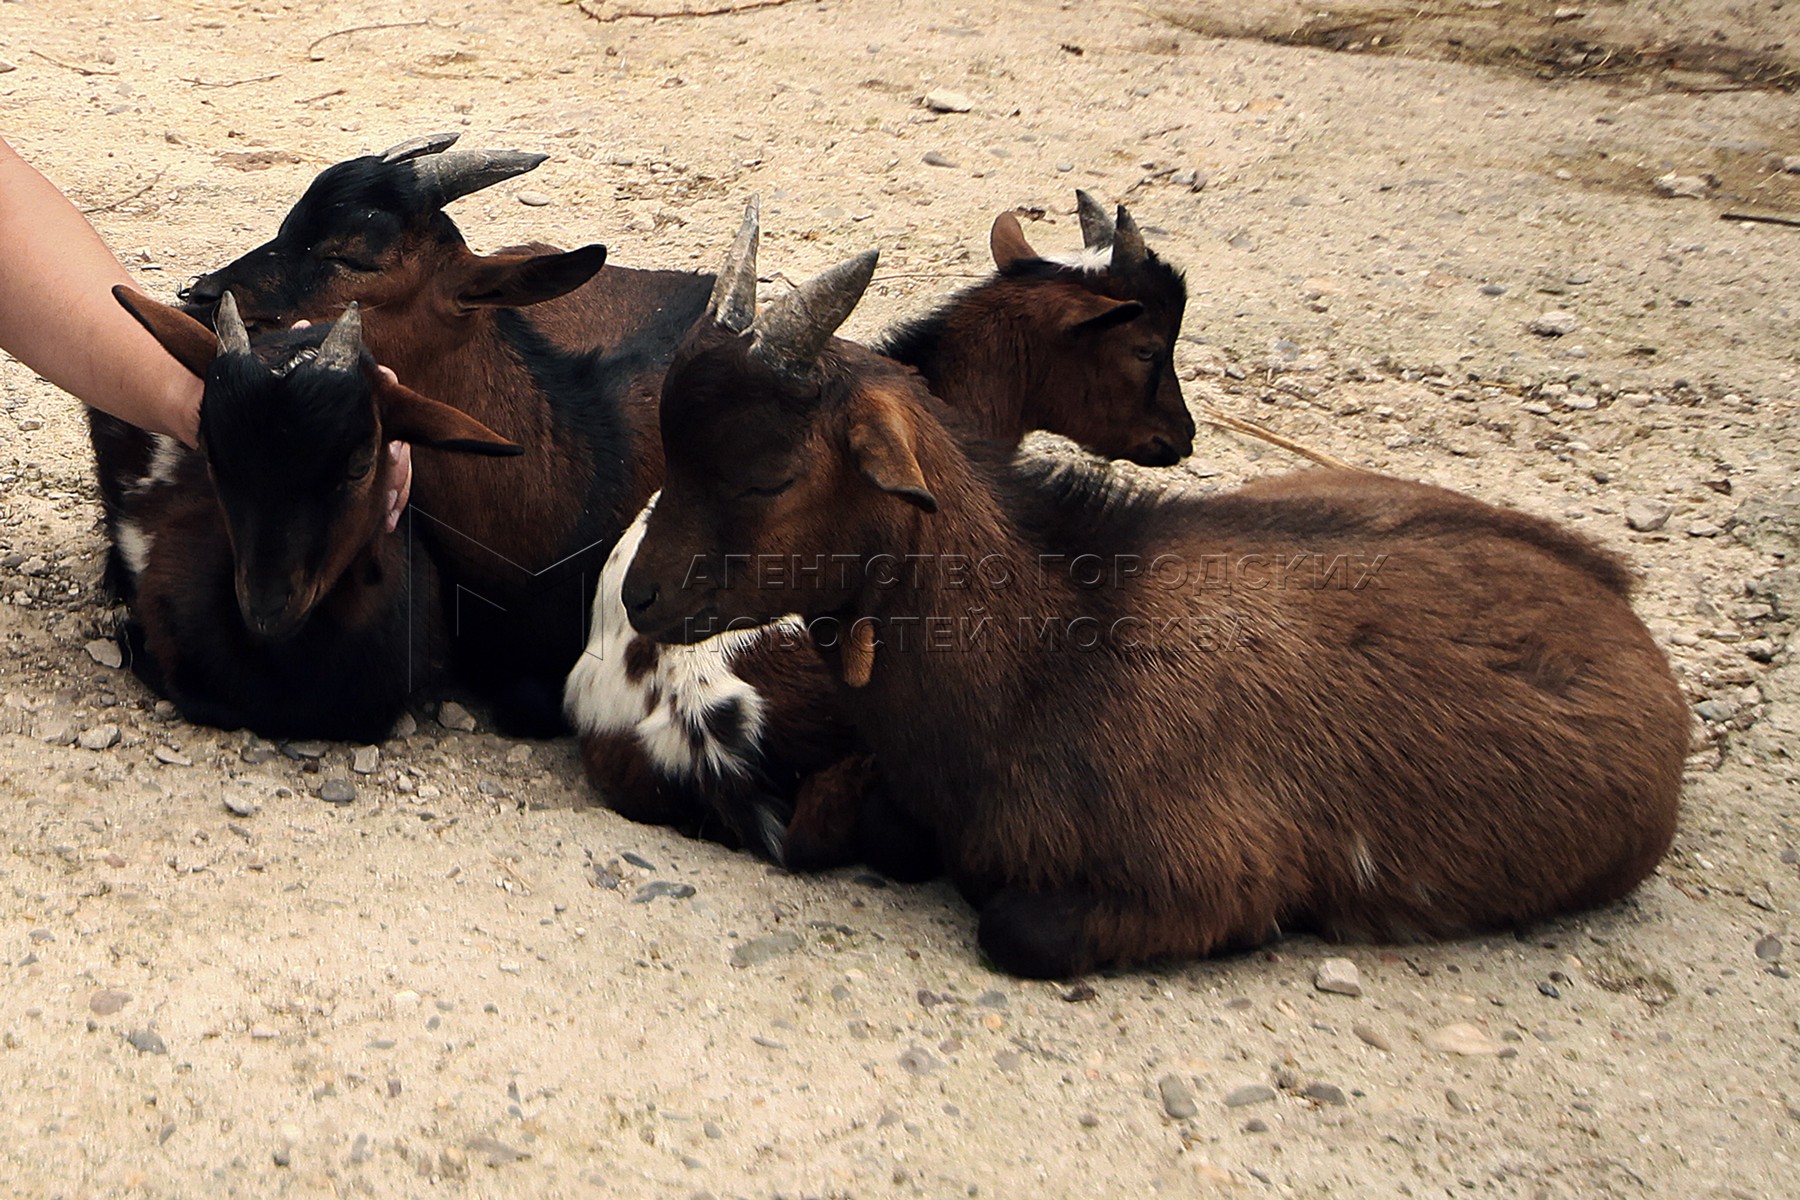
column 1479, row 735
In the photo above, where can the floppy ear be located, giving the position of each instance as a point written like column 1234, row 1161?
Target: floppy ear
column 515, row 280
column 189, row 342
column 1007, row 241
column 407, row 416
column 1092, row 313
column 881, row 442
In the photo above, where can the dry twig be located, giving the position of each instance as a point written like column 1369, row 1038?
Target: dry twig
column 1761, row 219
column 316, row 42
column 228, row 83
column 724, row 10
column 1239, row 425
column 68, row 66
column 124, row 200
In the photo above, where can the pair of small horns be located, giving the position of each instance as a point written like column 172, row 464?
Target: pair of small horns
column 441, row 177
column 791, row 331
column 340, row 351
column 1098, row 231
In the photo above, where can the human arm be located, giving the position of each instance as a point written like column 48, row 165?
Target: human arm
column 58, row 316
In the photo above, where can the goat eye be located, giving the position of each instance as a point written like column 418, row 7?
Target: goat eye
column 774, row 490
column 360, row 467
column 1146, row 353
column 348, row 264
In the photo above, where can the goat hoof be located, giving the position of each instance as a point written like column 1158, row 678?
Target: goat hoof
column 1037, row 935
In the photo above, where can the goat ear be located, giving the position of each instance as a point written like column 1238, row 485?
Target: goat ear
column 407, row 416
column 882, row 443
column 515, row 280
column 1093, row 313
column 189, row 342
column 1007, row 241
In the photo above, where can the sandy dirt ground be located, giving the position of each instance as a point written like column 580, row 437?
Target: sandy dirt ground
column 213, row 982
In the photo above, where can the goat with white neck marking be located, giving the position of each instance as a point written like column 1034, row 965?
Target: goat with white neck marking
column 733, row 735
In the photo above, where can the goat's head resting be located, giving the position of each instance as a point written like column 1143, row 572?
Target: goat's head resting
column 292, row 427
column 784, row 466
column 1108, row 364
column 372, row 231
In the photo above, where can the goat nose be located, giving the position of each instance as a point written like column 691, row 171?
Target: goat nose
column 638, row 598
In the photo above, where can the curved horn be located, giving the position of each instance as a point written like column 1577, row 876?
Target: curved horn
column 449, row 176
column 431, row 143
column 229, row 324
column 791, row 331
column 733, row 302
column 1128, row 244
column 1096, row 226
column 342, row 348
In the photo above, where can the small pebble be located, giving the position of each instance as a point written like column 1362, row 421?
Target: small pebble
column 1088, row 1120
column 108, row 1001
column 919, row 1061
column 1248, row 1094
column 169, row 756
column 638, row 861
column 934, row 159
column 1684, row 187
column 1717, row 711
column 1463, row 1038
column 1768, row 948
column 1338, row 976
column 147, row 1041
column 1492, row 289
column 533, row 199
column 1177, row 1100
column 1455, row 1100
column 240, row 805
column 662, row 887
column 452, row 715
column 337, row 791
column 106, row 653
column 945, row 101
column 1372, row 1036
column 1324, row 1093
column 762, row 949
column 1555, row 323
column 1646, row 515
column 1256, row 1125
column 365, row 759
column 100, row 737
column 1791, row 164
column 498, row 1153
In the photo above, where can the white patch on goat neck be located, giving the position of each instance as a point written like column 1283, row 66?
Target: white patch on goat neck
column 1097, row 259
column 165, row 458
column 134, row 546
column 1363, row 863
column 688, row 682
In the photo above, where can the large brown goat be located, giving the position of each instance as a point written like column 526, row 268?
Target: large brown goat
column 1140, row 724
column 734, row 735
column 573, row 378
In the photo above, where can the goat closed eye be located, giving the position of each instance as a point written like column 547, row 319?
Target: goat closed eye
column 350, row 264
column 359, row 468
column 770, row 490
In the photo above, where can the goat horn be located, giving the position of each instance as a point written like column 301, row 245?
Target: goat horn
column 450, row 176
column 229, row 324
column 1096, row 226
column 431, row 143
column 792, row 330
column 733, row 302
column 1129, row 251
column 342, row 348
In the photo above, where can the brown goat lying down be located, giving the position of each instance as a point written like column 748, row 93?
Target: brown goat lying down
column 1141, row 724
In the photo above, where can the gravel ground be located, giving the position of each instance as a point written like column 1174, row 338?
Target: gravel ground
column 436, row 967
